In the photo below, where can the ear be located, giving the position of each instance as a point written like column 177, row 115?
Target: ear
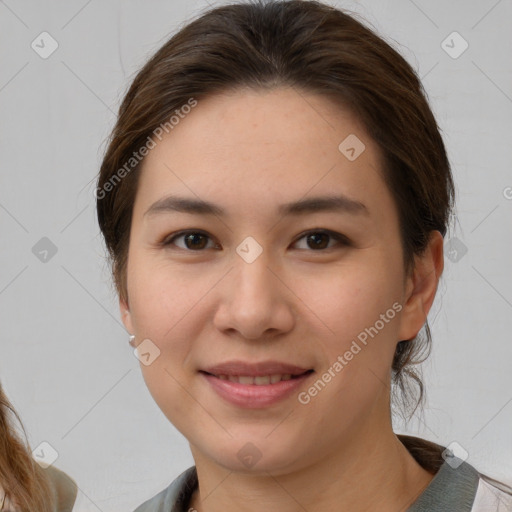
column 421, row 287
column 126, row 315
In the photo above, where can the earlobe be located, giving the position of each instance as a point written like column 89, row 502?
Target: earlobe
column 421, row 287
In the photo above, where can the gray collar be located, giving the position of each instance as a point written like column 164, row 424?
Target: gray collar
column 452, row 488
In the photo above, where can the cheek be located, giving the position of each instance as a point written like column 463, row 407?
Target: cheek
column 361, row 310
column 162, row 298
column 351, row 298
column 166, row 385
column 163, row 305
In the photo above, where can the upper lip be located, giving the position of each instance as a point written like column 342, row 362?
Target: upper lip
column 237, row 367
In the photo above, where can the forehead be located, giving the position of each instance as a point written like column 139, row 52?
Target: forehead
column 252, row 147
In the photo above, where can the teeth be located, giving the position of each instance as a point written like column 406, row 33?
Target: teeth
column 262, row 380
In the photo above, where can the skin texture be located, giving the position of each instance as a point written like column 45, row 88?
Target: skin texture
column 249, row 152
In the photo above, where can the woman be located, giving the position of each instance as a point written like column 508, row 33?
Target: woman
column 24, row 485
column 274, row 199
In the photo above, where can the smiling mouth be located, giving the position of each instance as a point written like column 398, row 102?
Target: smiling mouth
column 259, row 380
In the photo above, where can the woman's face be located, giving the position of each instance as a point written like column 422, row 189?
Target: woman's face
column 264, row 282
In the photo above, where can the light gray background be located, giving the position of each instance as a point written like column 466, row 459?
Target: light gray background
column 64, row 358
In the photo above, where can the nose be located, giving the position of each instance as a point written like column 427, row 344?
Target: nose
column 255, row 301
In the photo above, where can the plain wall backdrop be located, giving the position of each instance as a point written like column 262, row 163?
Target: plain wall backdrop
column 65, row 361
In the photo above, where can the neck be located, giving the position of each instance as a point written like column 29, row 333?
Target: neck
column 374, row 471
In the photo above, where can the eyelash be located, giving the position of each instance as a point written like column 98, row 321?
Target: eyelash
column 341, row 239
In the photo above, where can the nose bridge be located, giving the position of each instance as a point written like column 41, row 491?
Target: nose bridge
column 253, row 279
column 251, row 303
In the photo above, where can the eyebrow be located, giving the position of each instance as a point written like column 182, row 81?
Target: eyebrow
column 339, row 203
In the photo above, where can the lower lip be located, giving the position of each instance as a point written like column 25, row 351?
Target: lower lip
column 252, row 396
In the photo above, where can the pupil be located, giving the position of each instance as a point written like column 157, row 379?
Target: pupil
column 316, row 241
column 193, row 238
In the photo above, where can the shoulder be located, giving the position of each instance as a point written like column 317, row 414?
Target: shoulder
column 174, row 497
column 63, row 487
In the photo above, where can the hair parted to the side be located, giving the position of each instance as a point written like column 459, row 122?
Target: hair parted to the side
column 23, row 482
column 314, row 48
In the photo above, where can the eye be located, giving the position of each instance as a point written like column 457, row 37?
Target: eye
column 317, row 240
column 194, row 240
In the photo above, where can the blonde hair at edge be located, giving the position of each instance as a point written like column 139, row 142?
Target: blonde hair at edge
column 24, row 487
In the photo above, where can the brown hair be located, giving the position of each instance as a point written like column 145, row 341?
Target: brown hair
column 315, row 48
column 24, row 483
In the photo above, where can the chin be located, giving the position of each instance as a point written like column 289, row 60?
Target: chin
column 256, row 454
